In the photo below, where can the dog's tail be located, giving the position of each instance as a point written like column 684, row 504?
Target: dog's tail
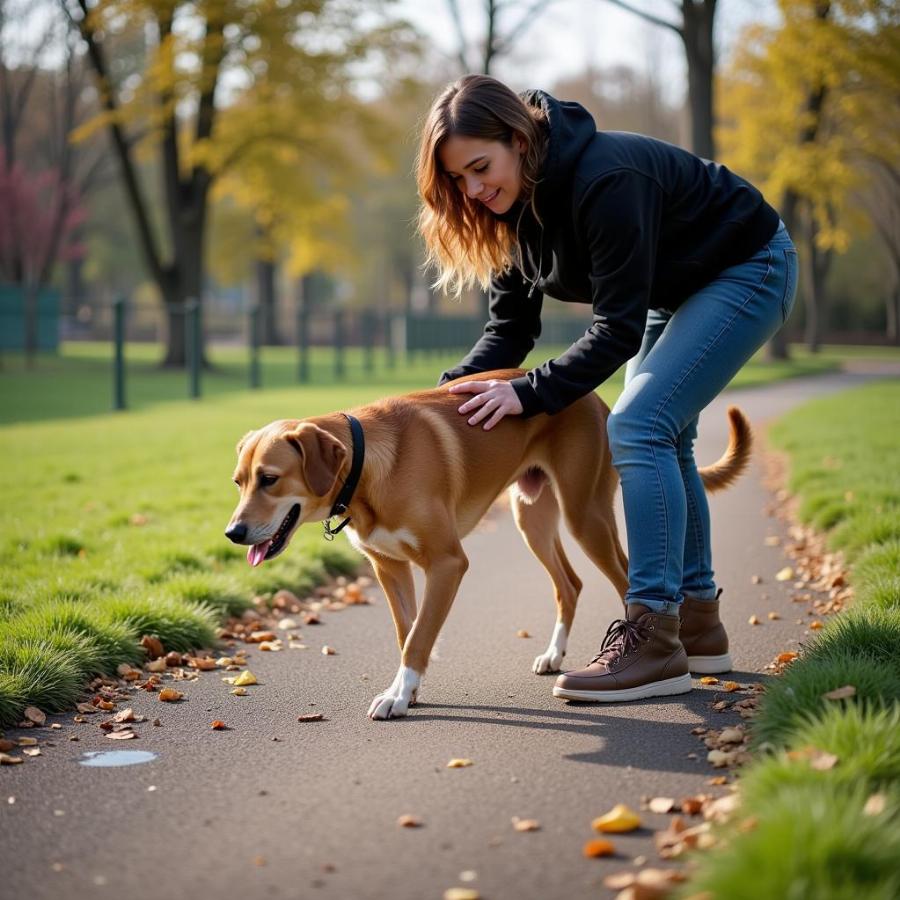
column 734, row 460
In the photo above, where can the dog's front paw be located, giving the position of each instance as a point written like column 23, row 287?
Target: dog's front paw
column 396, row 700
column 549, row 661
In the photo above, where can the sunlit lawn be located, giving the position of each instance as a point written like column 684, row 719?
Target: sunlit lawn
column 78, row 381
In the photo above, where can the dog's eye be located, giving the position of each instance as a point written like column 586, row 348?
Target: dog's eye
column 267, row 480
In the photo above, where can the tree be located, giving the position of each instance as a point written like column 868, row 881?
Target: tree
column 696, row 33
column 807, row 102
column 283, row 53
column 497, row 40
column 42, row 177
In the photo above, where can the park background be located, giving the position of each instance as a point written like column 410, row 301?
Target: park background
column 219, row 195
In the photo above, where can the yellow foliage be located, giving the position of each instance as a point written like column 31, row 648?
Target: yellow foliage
column 768, row 98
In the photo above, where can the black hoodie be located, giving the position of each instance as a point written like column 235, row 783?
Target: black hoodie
column 628, row 223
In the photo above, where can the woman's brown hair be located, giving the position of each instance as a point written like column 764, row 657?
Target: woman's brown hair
column 464, row 240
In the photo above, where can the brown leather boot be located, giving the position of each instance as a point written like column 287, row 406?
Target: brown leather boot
column 641, row 656
column 704, row 637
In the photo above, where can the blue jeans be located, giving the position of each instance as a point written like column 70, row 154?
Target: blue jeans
column 686, row 359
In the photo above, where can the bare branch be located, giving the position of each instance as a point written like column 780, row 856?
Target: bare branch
column 649, row 17
column 527, row 20
column 455, row 14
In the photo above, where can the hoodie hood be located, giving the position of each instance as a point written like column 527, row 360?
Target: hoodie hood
column 571, row 129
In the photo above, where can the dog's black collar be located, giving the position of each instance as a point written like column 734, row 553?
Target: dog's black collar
column 342, row 502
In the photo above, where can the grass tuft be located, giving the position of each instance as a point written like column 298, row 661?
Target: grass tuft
column 810, row 841
column 178, row 624
column 44, row 675
column 866, row 741
column 865, row 632
column 790, row 700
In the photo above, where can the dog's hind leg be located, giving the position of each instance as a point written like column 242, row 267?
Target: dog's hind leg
column 537, row 519
column 590, row 517
column 396, row 579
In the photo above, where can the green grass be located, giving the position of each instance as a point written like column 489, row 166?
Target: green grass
column 814, row 837
column 808, row 843
column 78, row 381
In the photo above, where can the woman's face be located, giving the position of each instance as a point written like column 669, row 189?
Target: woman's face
column 486, row 172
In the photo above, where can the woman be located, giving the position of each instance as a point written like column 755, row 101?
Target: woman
column 688, row 272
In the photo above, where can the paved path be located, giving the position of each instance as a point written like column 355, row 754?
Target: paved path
column 273, row 808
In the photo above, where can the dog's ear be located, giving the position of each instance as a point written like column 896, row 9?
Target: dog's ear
column 321, row 456
column 242, row 441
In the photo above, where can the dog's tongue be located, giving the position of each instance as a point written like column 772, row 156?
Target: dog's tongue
column 257, row 553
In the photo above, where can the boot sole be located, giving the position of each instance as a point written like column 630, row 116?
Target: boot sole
column 710, row 665
column 681, row 684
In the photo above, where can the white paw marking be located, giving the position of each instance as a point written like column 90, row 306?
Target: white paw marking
column 551, row 659
column 396, row 700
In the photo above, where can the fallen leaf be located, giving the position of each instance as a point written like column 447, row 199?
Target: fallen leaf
column 153, row 645
column 218, row 725
column 203, row 663
column 730, row 686
column 785, row 574
column 815, row 625
column 774, row 616
column 525, row 824
column 719, row 758
column 875, row 805
column 661, row 804
column 709, row 679
column 286, row 624
column 257, row 637
column 772, row 541
column 731, row 736
column 240, row 692
column 597, row 848
column 755, row 579
column 156, row 665
column 32, row 751
column 522, row 633
column 459, row 893
column 125, row 715
column 841, row 693
column 753, row 620
column 720, row 809
column 170, row 695
column 822, row 761
column 328, row 651
column 6, row 745
column 246, row 677
column 33, row 714
column 409, row 821
column 310, row 717
column 27, row 742
column 619, row 818
column 691, row 806
column 459, row 763
column 7, row 760
column 121, row 735
column 173, row 658
column 786, row 657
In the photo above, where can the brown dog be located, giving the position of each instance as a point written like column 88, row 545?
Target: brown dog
column 427, row 479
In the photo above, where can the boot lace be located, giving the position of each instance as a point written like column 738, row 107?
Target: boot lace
column 621, row 638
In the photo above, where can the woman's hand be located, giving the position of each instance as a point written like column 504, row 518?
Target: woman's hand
column 492, row 398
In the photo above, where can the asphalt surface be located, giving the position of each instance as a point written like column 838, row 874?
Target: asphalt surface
column 277, row 808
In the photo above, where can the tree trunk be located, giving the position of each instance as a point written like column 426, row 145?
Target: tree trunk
column 697, row 34
column 267, row 298
column 30, row 300
column 893, row 314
